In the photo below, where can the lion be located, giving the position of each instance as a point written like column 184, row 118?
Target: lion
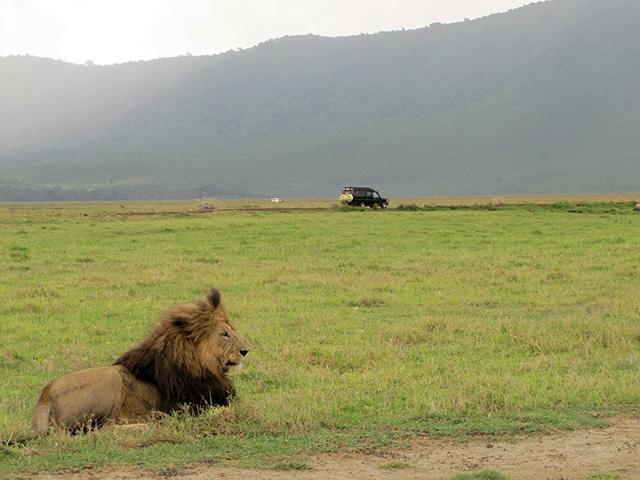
column 184, row 361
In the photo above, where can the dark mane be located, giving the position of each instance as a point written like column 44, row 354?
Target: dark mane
column 168, row 359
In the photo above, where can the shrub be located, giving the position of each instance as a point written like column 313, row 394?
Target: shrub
column 206, row 204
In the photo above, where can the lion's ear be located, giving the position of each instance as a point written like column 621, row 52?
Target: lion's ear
column 214, row 298
column 180, row 322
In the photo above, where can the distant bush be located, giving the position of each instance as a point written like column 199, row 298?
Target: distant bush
column 564, row 206
column 597, row 207
column 206, row 204
column 411, row 207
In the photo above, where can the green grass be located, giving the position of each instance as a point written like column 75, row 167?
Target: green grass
column 482, row 475
column 395, row 465
column 604, row 476
column 364, row 326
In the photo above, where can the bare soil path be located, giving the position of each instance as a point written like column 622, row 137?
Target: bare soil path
column 563, row 456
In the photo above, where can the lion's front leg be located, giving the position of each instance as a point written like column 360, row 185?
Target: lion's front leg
column 141, row 399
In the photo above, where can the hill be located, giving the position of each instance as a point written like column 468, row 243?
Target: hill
column 542, row 99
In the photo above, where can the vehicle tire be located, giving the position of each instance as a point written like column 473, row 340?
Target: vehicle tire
column 383, row 205
column 362, row 205
column 349, row 198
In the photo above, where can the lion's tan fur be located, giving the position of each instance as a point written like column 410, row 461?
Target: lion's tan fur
column 184, row 360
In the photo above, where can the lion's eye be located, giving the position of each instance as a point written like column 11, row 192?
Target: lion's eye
column 226, row 335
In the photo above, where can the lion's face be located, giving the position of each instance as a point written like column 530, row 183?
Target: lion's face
column 232, row 350
column 222, row 350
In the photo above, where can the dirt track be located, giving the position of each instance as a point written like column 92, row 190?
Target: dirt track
column 566, row 456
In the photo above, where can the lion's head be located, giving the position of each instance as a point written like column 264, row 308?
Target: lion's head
column 188, row 354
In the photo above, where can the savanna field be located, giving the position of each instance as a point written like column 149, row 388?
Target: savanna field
column 365, row 327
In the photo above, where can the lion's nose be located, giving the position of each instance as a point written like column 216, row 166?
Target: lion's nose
column 244, row 352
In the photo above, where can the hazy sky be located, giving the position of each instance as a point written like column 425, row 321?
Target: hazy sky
column 116, row 31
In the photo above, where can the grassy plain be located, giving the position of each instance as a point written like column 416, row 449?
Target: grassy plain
column 365, row 326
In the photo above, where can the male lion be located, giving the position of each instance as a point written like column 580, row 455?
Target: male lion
column 183, row 361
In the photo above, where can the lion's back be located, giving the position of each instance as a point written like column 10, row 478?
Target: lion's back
column 86, row 397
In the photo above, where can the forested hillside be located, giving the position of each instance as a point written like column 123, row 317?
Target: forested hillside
column 542, row 99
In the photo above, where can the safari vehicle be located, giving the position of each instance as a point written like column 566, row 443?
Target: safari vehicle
column 363, row 197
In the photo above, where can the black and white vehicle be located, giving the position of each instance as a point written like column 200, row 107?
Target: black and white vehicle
column 363, row 197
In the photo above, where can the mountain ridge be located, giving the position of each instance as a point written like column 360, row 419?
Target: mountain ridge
column 541, row 99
